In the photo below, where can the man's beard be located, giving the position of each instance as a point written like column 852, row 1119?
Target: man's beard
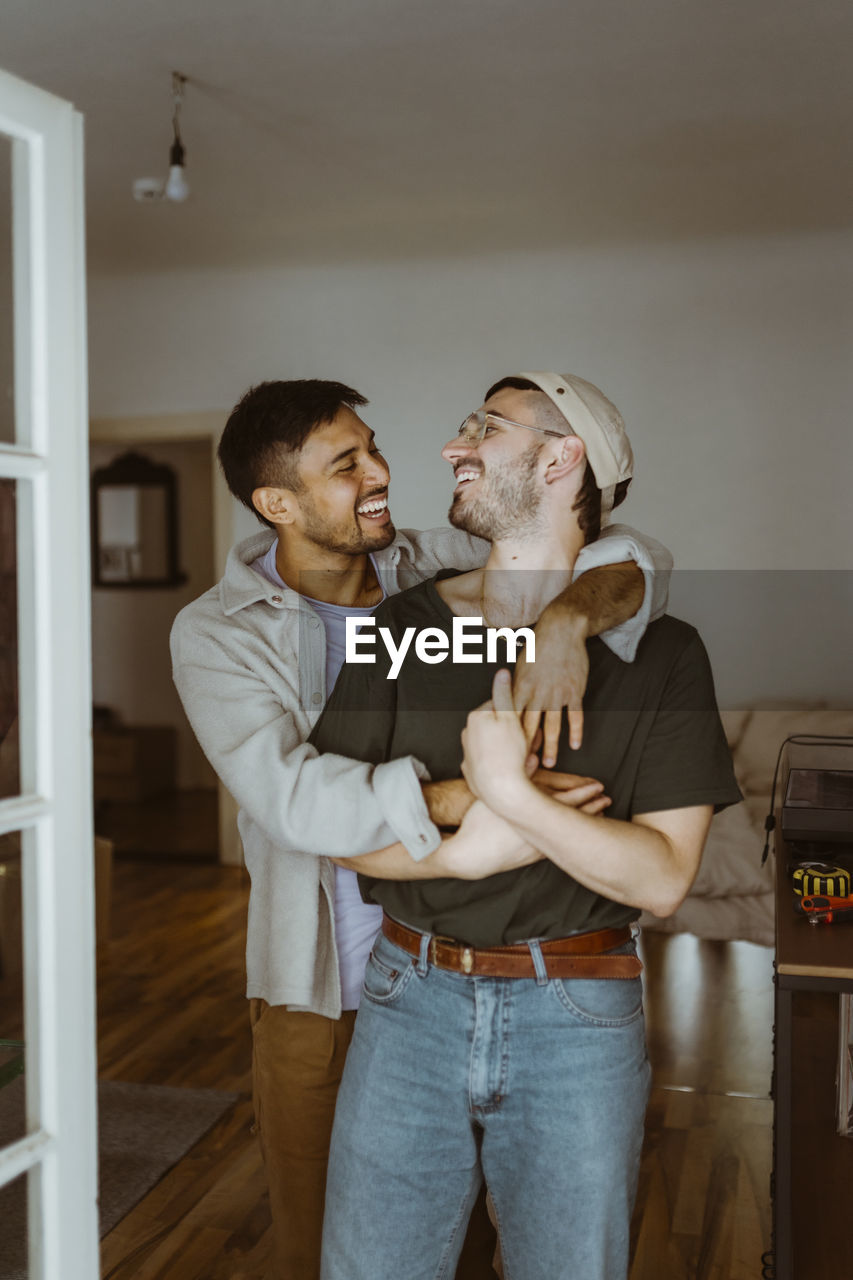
column 508, row 504
column 346, row 539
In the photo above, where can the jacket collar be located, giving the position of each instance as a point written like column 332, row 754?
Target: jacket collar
column 241, row 585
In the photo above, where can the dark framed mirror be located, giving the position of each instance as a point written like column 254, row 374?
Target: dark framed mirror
column 135, row 524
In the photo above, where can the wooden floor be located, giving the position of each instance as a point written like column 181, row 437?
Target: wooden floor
column 172, row 1012
column 703, row 1205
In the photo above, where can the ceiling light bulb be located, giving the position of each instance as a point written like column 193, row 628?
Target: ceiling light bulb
column 177, row 188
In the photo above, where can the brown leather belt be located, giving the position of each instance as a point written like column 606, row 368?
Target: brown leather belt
column 580, row 956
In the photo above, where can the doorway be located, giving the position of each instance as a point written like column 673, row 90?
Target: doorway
column 206, row 528
column 155, row 793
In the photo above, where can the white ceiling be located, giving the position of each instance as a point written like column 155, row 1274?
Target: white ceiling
column 341, row 129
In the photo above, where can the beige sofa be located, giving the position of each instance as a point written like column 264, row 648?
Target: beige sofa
column 732, row 896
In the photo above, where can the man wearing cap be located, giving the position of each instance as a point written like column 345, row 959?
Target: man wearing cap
column 253, row 659
column 501, row 1028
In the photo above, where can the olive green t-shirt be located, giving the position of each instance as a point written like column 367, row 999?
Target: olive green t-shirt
column 652, row 735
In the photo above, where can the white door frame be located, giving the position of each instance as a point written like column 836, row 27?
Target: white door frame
column 53, row 812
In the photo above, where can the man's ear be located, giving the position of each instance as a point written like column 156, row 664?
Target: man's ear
column 568, row 455
column 276, row 505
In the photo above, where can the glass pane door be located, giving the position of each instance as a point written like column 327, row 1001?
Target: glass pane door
column 48, row 1141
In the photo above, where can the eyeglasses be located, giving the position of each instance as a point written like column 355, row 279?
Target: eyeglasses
column 476, row 425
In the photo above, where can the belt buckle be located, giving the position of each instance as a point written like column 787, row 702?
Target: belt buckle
column 466, row 959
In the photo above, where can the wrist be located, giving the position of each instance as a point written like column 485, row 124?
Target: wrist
column 449, row 859
column 574, row 620
column 508, row 795
column 569, row 617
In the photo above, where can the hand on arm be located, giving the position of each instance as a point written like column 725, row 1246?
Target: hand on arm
column 485, row 843
column 573, row 790
column 599, row 599
column 649, row 862
column 449, row 801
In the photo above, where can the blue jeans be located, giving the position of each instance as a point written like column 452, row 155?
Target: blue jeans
column 539, row 1086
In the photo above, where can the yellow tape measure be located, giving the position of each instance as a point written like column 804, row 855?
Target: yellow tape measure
column 831, row 882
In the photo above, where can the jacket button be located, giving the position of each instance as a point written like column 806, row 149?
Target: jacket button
column 316, row 697
column 276, row 599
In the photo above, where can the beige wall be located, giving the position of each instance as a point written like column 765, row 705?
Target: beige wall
column 730, row 360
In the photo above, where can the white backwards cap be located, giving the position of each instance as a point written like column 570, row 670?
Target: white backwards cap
column 591, row 417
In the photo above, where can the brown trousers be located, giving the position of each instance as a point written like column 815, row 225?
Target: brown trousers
column 297, row 1062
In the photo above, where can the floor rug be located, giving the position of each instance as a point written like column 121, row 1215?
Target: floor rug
column 143, row 1131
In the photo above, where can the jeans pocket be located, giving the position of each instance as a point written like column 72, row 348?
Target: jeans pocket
column 386, row 975
column 603, row 1002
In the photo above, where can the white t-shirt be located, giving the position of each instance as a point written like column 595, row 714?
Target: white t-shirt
column 356, row 922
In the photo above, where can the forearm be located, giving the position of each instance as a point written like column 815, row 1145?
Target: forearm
column 483, row 846
column 625, row 861
column 617, row 544
column 447, row 801
column 602, row 598
column 448, row 861
column 395, row 863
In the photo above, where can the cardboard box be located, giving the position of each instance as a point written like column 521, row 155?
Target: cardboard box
column 133, row 763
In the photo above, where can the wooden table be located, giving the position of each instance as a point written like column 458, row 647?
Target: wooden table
column 812, row 1165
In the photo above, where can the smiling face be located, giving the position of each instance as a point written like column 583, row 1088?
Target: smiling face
column 342, row 502
column 499, row 489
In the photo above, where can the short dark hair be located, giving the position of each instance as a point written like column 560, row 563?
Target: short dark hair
column 266, row 430
column 588, row 501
